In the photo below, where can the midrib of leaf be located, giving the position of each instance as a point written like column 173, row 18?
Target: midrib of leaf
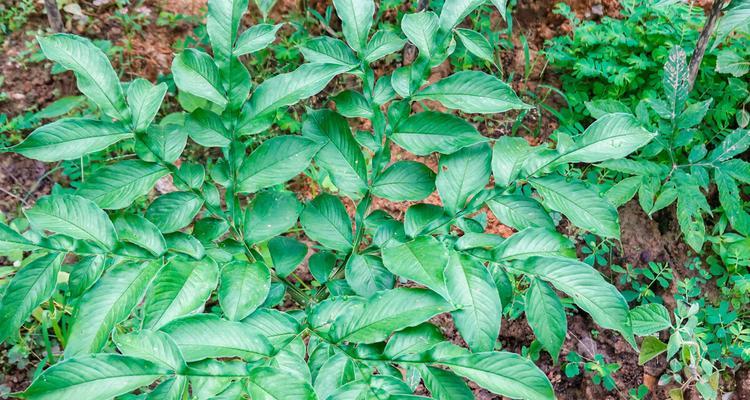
column 179, row 292
column 341, row 233
column 126, row 185
column 90, row 78
column 384, row 319
column 92, row 237
column 48, row 145
column 573, row 204
column 271, row 164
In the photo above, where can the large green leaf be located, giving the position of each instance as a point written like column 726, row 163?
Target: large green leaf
column 196, row 73
column 286, row 254
column 454, row 11
column 443, row 384
column 33, row 284
column 144, row 100
column 256, row 38
column 340, row 154
column 463, row 174
column 382, row 44
column 266, row 383
column 327, row 50
column 287, row 89
column 94, row 74
column 118, row 185
column 162, row 143
column 413, row 340
column 609, row 137
column 427, row 132
column 11, row 241
column 207, row 336
column 422, row 260
column 74, row 216
column 582, row 205
column 271, row 213
column 476, row 44
column 533, row 242
column 244, row 287
column 546, row 317
column 84, row 274
column 404, row 181
column 174, row 211
column 520, row 212
column 421, row 29
column 508, row 157
column 366, row 275
column 107, row 303
column 473, row 292
column 389, row 311
column 154, row 346
column 71, row 138
column 276, row 161
column 180, row 288
column 94, row 377
column 356, row 20
column 207, row 129
column 503, row 373
column 587, row 288
column 140, row 231
column 472, row 92
column 325, row 220
column 222, row 23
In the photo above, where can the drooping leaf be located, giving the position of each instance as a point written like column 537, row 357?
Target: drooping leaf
column 473, row 291
column 107, row 303
column 325, row 220
column 73, row 216
column 174, row 211
column 582, row 205
column 356, row 20
column 84, row 274
column 140, row 231
column 180, row 288
column 33, row 284
column 256, row 38
column 422, row 260
column 244, row 287
column 520, row 212
column 462, row 174
column 404, row 181
column 472, row 92
column 276, row 161
column 271, row 213
column 95, row 76
column 612, row 136
column 71, row 138
column 427, row 132
column 196, row 73
column 95, row 377
column 118, row 185
column 144, row 100
column 387, row 312
column 546, row 317
column 366, row 275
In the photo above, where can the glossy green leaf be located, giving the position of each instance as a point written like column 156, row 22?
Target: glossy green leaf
column 144, row 100
column 267, row 383
column 222, row 23
column 271, row 213
column 520, row 212
column 476, row 44
column 612, row 136
column 108, row 302
column 508, row 157
column 207, row 129
column 162, row 143
column 461, row 175
column 404, row 181
column 140, row 231
column 327, row 50
column 174, row 211
column 366, row 275
column 648, row 319
column 325, row 220
column 421, row 29
column 533, row 242
column 286, row 254
column 153, row 346
column 356, row 20
column 546, row 317
column 117, row 185
column 256, row 38
column 73, row 216
column 427, row 132
column 196, row 73
column 413, row 340
column 422, row 260
column 276, row 161
column 472, row 92
column 84, row 274
column 11, row 241
column 382, row 44
column 454, row 11
column 244, row 287
column 444, row 385
column 71, row 138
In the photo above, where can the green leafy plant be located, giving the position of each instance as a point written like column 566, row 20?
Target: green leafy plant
column 189, row 290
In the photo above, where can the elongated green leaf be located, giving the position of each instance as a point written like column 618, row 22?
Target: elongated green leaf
column 180, row 242
column 533, row 242
column 207, row 336
column 520, row 212
column 180, row 288
column 429, row 131
column 508, row 157
column 404, row 181
column 196, row 73
column 11, row 241
column 174, row 211
column 463, row 174
column 94, row 74
column 243, row 288
column 454, row 11
column 421, row 29
column 587, row 288
column 118, row 185
column 473, row 291
column 222, row 23
column 84, row 274
column 444, row 385
column 207, row 129
column 95, row 377
column 413, row 340
column 389, row 311
column 609, row 137
column 582, row 205
column 381, row 44
column 271, row 213
column 366, row 275
column 340, row 154
column 286, row 254
column 287, row 89
column 422, row 260
column 276, row 161
column 648, row 319
column 161, row 143
column 140, row 231
column 267, row 383
column 33, row 284
column 736, row 18
column 256, row 38
column 107, row 303
column 327, row 50
column 71, row 138
column 546, row 317
column 356, row 20
column 733, row 144
column 325, row 220
column 144, row 100
column 473, row 92
column 337, row 371
column 73, row 216
column 503, row 373
column 476, row 44
column 154, row 346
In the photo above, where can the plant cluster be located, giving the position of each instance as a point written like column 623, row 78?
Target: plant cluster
column 184, row 292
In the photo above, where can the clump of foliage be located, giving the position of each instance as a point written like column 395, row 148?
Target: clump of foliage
column 185, row 293
column 621, row 58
